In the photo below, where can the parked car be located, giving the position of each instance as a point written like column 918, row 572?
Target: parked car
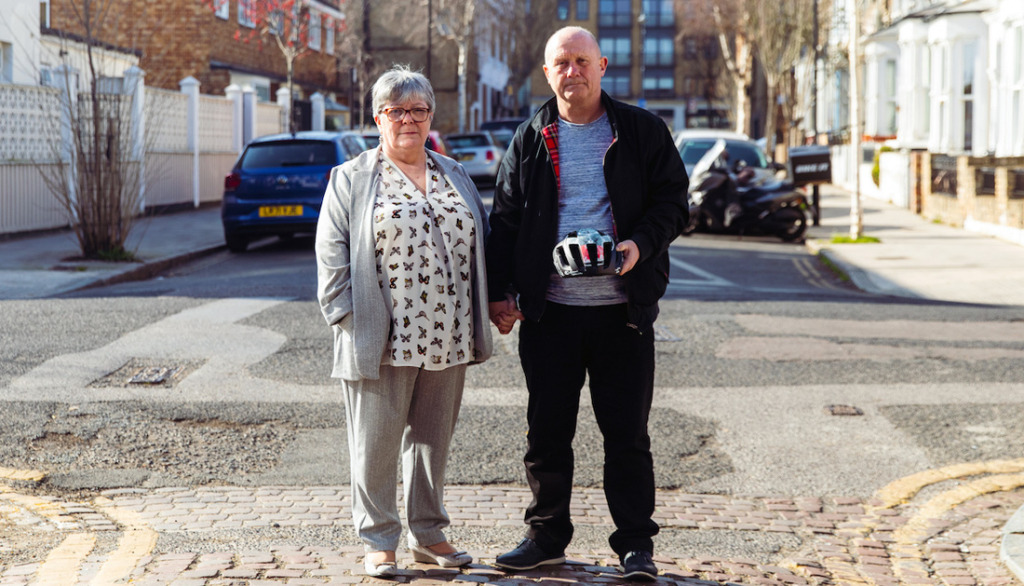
column 693, row 144
column 277, row 185
column 371, row 137
column 479, row 153
column 503, row 129
column 503, row 124
column 434, row 140
column 436, row 143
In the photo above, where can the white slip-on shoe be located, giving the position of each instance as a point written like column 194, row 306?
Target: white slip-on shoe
column 455, row 559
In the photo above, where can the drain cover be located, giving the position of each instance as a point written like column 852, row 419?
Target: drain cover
column 843, row 410
column 154, row 375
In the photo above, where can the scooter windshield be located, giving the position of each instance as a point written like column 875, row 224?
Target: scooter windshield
column 708, row 160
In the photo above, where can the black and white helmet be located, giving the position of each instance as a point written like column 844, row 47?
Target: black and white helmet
column 586, row 253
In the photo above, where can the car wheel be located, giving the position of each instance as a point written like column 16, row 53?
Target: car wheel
column 236, row 243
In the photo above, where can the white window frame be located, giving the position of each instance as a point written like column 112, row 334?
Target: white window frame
column 221, row 9
column 328, row 35
column 243, row 16
column 1015, row 71
column 940, row 98
column 315, row 30
column 6, row 62
column 44, row 13
column 967, row 57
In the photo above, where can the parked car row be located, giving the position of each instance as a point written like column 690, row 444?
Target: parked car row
column 277, row 185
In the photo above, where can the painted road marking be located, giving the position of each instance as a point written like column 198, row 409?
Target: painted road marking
column 904, row 489
column 64, row 563
column 137, row 542
column 22, row 475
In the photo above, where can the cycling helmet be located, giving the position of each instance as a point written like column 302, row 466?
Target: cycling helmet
column 586, row 253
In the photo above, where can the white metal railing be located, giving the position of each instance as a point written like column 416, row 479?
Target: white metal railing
column 184, row 159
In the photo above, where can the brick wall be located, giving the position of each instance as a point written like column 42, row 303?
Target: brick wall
column 179, row 38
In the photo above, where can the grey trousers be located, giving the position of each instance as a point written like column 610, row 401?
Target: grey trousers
column 412, row 412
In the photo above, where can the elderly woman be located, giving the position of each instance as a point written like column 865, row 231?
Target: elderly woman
column 399, row 249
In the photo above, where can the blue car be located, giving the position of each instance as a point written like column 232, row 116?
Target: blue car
column 278, row 183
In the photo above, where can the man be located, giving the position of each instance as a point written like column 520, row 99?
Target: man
column 585, row 161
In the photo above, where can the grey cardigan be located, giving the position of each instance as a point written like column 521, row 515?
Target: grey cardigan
column 347, row 285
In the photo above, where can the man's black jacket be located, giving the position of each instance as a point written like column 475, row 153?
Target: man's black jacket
column 647, row 184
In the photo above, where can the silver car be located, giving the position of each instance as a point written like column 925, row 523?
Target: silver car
column 479, row 152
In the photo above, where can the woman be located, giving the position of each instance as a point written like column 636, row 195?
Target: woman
column 399, row 248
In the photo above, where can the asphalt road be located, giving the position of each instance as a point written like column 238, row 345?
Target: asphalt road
column 758, row 343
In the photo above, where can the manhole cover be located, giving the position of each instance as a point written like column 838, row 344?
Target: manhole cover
column 140, row 372
column 843, row 410
column 155, row 375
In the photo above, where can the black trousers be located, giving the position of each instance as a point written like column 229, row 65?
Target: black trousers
column 557, row 353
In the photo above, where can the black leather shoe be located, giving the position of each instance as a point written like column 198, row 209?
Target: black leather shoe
column 528, row 555
column 638, row 565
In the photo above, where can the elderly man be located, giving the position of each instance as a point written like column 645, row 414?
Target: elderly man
column 585, row 162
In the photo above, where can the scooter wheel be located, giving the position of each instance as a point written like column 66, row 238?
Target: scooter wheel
column 791, row 223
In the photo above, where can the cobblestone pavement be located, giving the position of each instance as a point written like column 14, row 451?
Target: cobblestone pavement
column 939, row 527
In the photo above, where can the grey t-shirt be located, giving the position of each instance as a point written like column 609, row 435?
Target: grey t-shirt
column 583, row 202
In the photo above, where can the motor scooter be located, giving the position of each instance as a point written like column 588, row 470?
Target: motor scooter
column 738, row 199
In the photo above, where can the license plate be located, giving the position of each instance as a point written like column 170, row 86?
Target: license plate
column 278, row 211
column 464, row 156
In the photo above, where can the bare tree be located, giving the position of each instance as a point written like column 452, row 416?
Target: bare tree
column 455, row 20
column 781, row 29
column 288, row 24
column 98, row 142
column 728, row 21
column 528, row 26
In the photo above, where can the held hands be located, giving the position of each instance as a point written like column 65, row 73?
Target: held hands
column 504, row 314
column 630, row 255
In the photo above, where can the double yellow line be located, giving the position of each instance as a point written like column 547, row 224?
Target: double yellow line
column 63, row 565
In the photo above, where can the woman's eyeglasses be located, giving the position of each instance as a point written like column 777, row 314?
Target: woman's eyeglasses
column 398, row 114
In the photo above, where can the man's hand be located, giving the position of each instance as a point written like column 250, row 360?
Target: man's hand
column 504, row 314
column 630, row 255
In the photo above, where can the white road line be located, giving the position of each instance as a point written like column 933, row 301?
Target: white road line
column 709, row 279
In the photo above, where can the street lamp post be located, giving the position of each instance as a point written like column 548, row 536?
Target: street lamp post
column 642, row 20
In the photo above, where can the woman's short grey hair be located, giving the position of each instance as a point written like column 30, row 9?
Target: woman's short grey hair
column 399, row 85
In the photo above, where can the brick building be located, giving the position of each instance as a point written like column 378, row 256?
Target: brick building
column 207, row 40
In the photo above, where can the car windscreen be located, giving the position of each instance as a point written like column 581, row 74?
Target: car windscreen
column 692, row 150
column 294, row 153
column 467, row 141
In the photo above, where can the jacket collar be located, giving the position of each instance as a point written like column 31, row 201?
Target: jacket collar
column 548, row 114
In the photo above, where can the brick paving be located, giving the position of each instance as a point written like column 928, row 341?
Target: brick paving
column 844, row 540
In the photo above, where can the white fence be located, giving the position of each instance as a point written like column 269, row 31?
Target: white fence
column 190, row 142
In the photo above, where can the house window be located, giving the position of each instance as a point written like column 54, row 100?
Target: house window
column 563, row 9
column 245, row 13
column 970, row 49
column 615, row 13
column 582, row 9
column 616, row 82
column 659, row 49
column 985, row 181
column 618, row 50
column 940, row 94
column 690, row 48
column 6, row 63
column 329, row 36
column 314, row 30
column 1017, row 87
column 221, row 9
column 889, row 113
column 659, row 84
column 44, row 14
column 659, row 13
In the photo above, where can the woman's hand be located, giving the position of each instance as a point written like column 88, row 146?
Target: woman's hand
column 504, row 314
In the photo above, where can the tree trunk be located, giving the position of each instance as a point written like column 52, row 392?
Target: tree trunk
column 462, row 85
